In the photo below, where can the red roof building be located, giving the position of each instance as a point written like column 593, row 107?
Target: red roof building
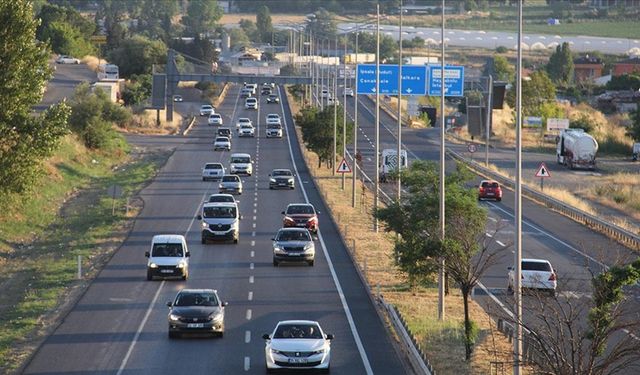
column 587, row 68
column 628, row 66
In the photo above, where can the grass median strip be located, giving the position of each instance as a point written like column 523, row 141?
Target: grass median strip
column 70, row 215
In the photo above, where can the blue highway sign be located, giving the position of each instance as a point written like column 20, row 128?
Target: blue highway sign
column 453, row 79
column 414, row 79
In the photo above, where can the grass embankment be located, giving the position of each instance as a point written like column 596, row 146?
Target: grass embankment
column 67, row 216
column 442, row 341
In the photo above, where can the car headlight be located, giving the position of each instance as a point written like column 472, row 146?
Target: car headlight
column 153, row 265
column 217, row 318
column 181, row 265
column 278, row 249
column 204, row 225
column 174, row 317
column 309, row 247
column 291, row 181
column 320, row 351
column 272, row 180
column 220, row 186
column 274, row 351
column 287, row 218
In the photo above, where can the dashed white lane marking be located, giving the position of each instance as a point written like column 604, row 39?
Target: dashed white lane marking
column 253, row 253
column 253, row 243
column 500, row 243
column 489, row 235
column 255, row 204
column 254, row 225
column 254, row 218
column 255, row 211
column 492, row 219
column 251, row 266
column 250, row 279
column 253, row 234
column 247, row 337
column 250, row 296
column 247, row 363
column 248, row 314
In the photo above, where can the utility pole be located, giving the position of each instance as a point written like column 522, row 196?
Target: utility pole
column 441, row 274
column 334, row 96
column 487, row 131
column 322, row 72
column 355, row 128
column 517, row 341
column 399, row 159
column 344, row 109
column 377, row 124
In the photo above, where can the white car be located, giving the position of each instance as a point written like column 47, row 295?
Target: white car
column 298, row 345
column 536, row 274
column 332, row 101
column 212, row 171
column 206, row 110
column 274, row 131
column 348, row 92
column 168, row 257
column 273, row 118
column 64, row 59
column 242, row 121
column 222, row 143
column 215, row 119
column 251, row 103
column 241, row 164
column 177, row 98
column 246, row 130
column 325, row 93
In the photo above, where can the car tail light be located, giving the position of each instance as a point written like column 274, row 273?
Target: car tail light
column 552, row 277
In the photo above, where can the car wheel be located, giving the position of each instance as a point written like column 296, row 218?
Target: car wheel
column 149, row 276
column 311, row 263
column 185, row 276
column 509, row 289
column 293, row 188
column 173, row 335
column 270, row 187
column 235, row 240
column 498, row 199
column 552, row 293
column 270, row 370
column 275, row 263
column 204, row 179
column 203, row 241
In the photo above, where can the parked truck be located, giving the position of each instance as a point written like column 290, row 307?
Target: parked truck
column 363, row 58
column 389, row 163
column 419, row 60
column 576, row 149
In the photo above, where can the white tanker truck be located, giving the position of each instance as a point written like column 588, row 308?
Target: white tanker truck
column 576, row 149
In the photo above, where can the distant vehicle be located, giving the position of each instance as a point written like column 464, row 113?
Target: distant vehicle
column 221, row 198
column 196, row 311
column 246, row 92
column 536, row 274
column 243, row 120
column 108, row 71
column 360, row 57
column 281, row 178
column 168, row 257
column 241, row 164
column 301, row 215
column 64, row 59
column 274, row 130
column 230, row 184
column 297, row 345
column 265, row 90
column 222, row 143
column 489, row 189
column 389, row 163
column 220, row 221
column 273, row 118
column 273, row 99
column 252, row 86
column 246, row 130
column 576, row 149
column 224, row 132
column 333, row 101
column 349, row 92
column 325, row 94
column 251, row 103
column 177, row 98
column 215, row 119
column 206, row 110
column 636, row 151
column 212, row 171
column 419, row 60
column 293, row 245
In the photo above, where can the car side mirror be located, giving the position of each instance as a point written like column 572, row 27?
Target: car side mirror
column 146, row 253
column 240, row 217
column 283, row 212
column 510, row 268
column 329, row 336
column 169, row 304
column 225, row 303
column 188, row 254
column 273, row 238
column 266, row 336
column 199, row 217
column 318, row 212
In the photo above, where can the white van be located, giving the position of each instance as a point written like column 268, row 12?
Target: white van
column 220, row 221
column 241, row 164
column 168, row 257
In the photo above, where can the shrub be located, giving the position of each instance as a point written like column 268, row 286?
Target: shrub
column 502, row 49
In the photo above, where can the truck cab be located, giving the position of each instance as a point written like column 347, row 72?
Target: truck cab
column 389, row 163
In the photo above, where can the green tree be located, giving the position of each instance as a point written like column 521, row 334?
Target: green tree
column 634, row 129
column 502, row 69
column 250, row 29
column 112, row 13
column 322, row 24
column 625, row 82
column 317, row 131
column 138, row 54
column 202, row 17
column 137, row 89
column 66, row 30
column 560, row 66
column 25, row 140
column 263, row 23
column 388, row 46
column 238, row 38
column 537, row 90
column 155, row 18
column 550, row 110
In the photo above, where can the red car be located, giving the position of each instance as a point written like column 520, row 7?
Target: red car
column 489, row 189
column 301, row 215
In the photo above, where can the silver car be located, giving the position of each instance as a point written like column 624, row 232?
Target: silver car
column 281, row 178
column 222, row 143
column 297, row 345
column 213, row 171
column 293, row 245
column 231, row 184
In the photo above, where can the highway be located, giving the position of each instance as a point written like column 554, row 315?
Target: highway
column 119, row 325
column 573, row 249
column 63, row 83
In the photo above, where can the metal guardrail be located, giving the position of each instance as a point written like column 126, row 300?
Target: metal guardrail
column 611, row 230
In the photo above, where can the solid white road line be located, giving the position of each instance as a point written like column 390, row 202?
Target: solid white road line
column 489, row 234
column 343, row 300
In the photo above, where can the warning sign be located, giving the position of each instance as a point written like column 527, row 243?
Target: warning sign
column 542, row 171
column 343, row 167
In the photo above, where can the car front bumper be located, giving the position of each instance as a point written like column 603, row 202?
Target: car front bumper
column 313, row 362
column 223, row 236
column 230, row 190
column 206, row 327
column 279, row 185
column 167, row 271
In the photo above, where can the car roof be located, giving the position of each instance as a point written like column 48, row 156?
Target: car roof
column 168, row 238
column 281, row 169
column 299, row 204
column 273, row 115
column 222, row 195
column 293, row 229
column 535, row 260
column 185, row 290
column 220, row 204
column 220, row 164
column 243, row 119
column 206, row 106
column 223, row 137
column 308, row 322
column 240, row 154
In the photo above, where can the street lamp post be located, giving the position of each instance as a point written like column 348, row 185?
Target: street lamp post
column 377, row 124
column 399, row 159
column 517, row 342
column 344, row 109
column 334, row 96
column 355, row 129
column 441, row 274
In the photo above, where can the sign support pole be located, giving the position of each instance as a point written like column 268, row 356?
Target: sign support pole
column 441, row 274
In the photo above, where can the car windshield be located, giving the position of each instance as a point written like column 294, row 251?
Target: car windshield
column 536, row 266
column 224, row 131
column 219, row 212
column 167, row 250
column 196, row 299
column 489, row 184
column 241, row 159
column 222, row 139
column 300, row 209
column 230, row 179
column 274, row 117
column 297, row 331
column 206, row 107
column 221, row 198
column 281, row 173
column 274, row 126
column 246, row 126
column 273, row 96
column 293, row 235
column 251, row 100
column 242, row 120
column 213, row 166
column 215, row 116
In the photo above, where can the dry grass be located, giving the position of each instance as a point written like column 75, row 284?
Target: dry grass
column 275, row 18
column 372, row 252
column 145, row 123
column 618, row 191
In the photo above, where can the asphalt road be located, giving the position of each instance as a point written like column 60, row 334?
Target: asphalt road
column 119, row 326
column 63, row 84
column 573, row 249
column 494, row 39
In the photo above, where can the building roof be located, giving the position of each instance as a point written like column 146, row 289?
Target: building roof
column 632, row 60
column 586, row 59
